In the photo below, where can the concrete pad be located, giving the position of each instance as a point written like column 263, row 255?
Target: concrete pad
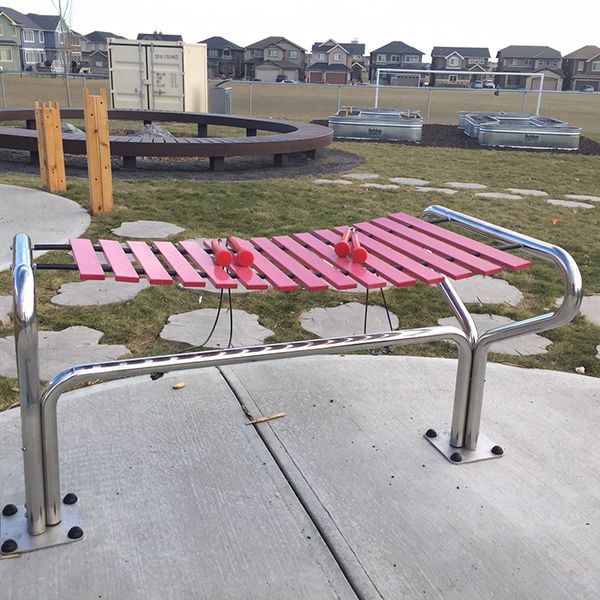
column 6, row 303
column 147, row 229
column 525, row 192
column 346, row 319
column 180, row 499
column 570, row 203
column 525, row 345
column 590, row 308
column 498, row 196
column 583, row 197
column 45, row 218
column 409, row 181
column 89, row 293
column 380, row 186
column 332, row 182
column 487, row 290
column 414, row 525
column 193, row 328
column 445, row 191
column 361, row 176
column 59, row 350
column 461, row 185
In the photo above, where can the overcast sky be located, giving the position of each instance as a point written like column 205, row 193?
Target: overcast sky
column 565, row 25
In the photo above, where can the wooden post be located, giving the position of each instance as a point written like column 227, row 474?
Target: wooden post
column 98, row 151
column 50, row 146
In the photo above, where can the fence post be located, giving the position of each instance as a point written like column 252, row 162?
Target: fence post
column 50, row 146
column 250, row 99
column 429, row 103
column 3, row 90
column 98, row 151
column 339, row 99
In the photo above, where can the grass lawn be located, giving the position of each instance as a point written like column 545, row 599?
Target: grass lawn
column 267, row 207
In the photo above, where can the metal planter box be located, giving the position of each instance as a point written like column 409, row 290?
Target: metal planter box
column 377, row 124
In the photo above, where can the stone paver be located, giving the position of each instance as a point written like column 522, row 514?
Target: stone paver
column 487, row 290
column 583, row 197
column 5, row 309
column 147, row 229
column 44, row 217
column 380, row 186
column 598, row 352
column 498, row 196
column 522, row 192
column 461, row 185
column 361, row 176
column 193, row 328
column 332, row 182
column 446, row 191
column 88, row 293
column 60, row 350
column 590, row 308
column 569, row 203
column 409, row 181
column 346, row 319
column 521, row 346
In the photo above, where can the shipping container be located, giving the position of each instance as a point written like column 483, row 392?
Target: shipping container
column 151, row 75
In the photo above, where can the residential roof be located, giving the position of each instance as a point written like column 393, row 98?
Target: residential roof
column 101, row 36
column 528, row 52
column 397, row 48
column 160, row 37
column 46, row 22
column 352, row 48
column 323, row 66
column 19, row 18
column 216, row 43
column 462, row 50
column 274, row 39
column 584, row 53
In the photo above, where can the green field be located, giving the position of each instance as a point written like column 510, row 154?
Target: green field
column 285, row 205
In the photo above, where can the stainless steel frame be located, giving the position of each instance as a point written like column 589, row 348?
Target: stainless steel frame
column 38, row 412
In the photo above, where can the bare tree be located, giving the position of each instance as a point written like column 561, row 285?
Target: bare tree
column 65, row 14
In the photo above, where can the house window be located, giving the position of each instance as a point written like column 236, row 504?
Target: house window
column 320, row 56
column 512, row 61
column 6, row 55
column 411, row 58
column 453, row 61
column 292, row 53
column 99, row 63
column 580, row 65
column 273, row 52
column 596, row 66
column 380, row 58
column 395, row 58
column 42, row 38
column 255, row 52
column 226, row 52
column 555, row 63
column 452, row 78
column 213, row 53
column 28, row 35
column 337, row 56
column 14, row 31
column 1, row 30
column 528, row 62
column 33, row 57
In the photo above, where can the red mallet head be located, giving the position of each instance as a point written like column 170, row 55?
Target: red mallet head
column 342, row 248
column 221, row 255
column 244, row 257
column 359, row 254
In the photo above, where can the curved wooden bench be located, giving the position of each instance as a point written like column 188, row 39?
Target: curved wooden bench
column 288, row 136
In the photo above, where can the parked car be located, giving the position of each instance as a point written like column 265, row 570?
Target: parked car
column 478, row 84
column 288, row 81
column 588, row 88
column 488, row 83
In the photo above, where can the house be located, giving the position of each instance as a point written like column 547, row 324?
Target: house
column 53, row 31
column 532, row 59
column 30, row 38
column 274, row 57
column 396, row 55
column 458, row 58
column 9, row 44
column 94, row 51
column 225, row 59
column 333, row 62
column 159, row 36
column 582, row 68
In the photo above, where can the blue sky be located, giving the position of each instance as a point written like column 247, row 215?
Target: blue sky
column 565, row 26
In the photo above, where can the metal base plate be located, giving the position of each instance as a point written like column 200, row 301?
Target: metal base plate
column 15, row 528
column 482, row 452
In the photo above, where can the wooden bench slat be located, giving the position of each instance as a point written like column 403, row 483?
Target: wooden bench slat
column 276, row 278
column 354, row 270
column 284, row 261
column 119, row 261
column 461, row 257
column 384, row 270
column 314, row 262
column 218, row 276
column 155, row 272
column 436, row 262
column 185, row 271
column 509, row 261
column 87, row 262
